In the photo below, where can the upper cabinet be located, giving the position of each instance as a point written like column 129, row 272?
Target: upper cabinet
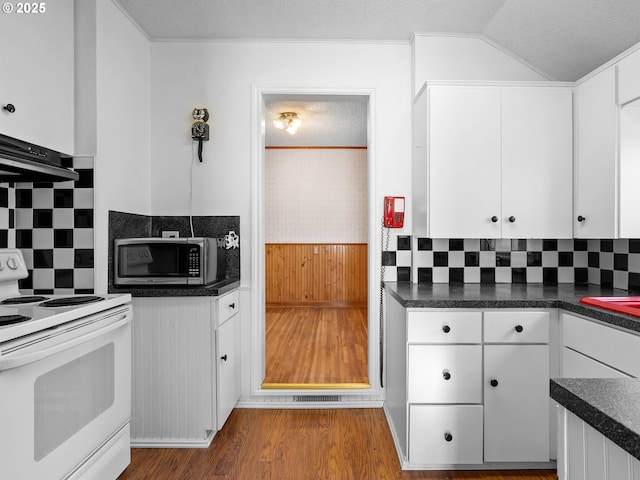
column 629, row 78
column 37, row 51
column 493, row 160
column 596, row 157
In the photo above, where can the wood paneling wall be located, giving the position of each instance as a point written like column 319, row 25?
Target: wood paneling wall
column 316, row 274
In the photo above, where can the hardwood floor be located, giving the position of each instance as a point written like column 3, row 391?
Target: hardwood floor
column 268, row 444
column 316, row 347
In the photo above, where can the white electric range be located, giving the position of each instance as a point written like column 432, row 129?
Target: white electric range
column 65, row 381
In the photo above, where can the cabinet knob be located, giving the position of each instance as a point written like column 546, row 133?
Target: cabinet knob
column 232, row 306
column 581, row 218
column 512, row 219
column 224, row 357
column 519, row 328
column 9, row 108
column 446, row 374
column 494, row 219
column 493, row 382
column 446, row 329
column 448, row 437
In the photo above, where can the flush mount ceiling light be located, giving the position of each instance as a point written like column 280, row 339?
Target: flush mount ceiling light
column 288, row 121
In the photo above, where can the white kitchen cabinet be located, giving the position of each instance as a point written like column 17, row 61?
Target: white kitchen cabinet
column 445, row 434
column 596, row 184
column 227, row 356
column 516, row 403
column 629, row 78
column 443, row 409
column 588, row 455
column 186, row 369
column 612, row 348
column 496, row 161
column 516, row 383
column 37, row 51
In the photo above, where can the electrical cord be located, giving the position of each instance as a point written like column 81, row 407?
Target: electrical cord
column 193, row 158
column 384, row 246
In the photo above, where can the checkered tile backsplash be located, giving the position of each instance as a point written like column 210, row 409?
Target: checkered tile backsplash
column 424, row 260
column 52, row 223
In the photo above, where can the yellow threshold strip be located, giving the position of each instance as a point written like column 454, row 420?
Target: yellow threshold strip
column 314, row 386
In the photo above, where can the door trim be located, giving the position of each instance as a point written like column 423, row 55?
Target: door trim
column 257, row 320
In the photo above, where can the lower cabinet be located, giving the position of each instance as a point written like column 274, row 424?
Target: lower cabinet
column 445, row 434
column 475, row 390
column 516, row 403
column 186, row 369
column 590, row 455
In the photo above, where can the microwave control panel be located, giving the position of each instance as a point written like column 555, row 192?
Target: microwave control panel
column 193, row 269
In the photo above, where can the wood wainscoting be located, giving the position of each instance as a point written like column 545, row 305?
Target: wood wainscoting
column 318, row 274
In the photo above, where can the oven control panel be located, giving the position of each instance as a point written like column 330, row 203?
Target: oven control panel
column 12, row 265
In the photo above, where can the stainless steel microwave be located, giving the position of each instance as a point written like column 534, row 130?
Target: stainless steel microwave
column 194, row 261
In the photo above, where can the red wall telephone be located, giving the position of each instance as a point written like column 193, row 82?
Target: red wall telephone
column 393, row 212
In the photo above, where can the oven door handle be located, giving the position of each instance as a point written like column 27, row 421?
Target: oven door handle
column 27, row 358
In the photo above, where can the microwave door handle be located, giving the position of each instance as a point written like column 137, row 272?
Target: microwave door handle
column 26, row 359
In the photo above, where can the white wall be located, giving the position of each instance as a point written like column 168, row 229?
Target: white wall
column 123, row 128
column 316, row 196
column 221, row 76
column 465, row 58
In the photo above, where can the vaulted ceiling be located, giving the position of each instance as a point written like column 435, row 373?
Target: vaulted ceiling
column 565, row 39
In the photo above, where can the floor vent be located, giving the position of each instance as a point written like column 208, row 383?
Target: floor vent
column 316, row 398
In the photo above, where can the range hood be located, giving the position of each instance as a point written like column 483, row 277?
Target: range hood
column 22, row 161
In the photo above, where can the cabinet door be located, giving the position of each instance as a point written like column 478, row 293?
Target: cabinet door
column 228, row 368
column 596, row 151
column 464, row 162
column 537, row 162
column 516, row 403
column 37, row 52
column 629, row 78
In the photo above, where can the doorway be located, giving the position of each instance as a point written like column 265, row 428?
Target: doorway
column 316, row 243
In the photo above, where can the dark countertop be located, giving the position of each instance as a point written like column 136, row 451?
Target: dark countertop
column 214, row 290
column 511, row 295
column 610, row 405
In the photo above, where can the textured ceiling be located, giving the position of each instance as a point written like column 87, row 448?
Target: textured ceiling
column 565, row 39
column 326, row 120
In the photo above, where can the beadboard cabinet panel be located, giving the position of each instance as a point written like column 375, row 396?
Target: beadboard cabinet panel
column 316, row 274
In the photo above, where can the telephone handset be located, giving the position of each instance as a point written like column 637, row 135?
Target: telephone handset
column 200, row 129
column 393, row 212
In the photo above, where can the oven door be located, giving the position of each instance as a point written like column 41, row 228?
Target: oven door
column 65, row 394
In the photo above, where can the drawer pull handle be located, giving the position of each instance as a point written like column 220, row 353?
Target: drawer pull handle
column 519, row 328
column 446, row 329
column 512, row 219
column 446, row 374
column 224, row 357
column 448, row 437
column 494, row 382
column 494, row 219
column 232, row 306
column 581, row 218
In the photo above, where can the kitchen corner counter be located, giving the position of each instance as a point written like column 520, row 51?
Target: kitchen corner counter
column 510, row 295
column 610, row 405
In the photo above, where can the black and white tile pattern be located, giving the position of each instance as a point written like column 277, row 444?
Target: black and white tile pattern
column 52, row 223
column 613, row 263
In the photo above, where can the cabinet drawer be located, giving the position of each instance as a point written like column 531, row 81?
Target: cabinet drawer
column 228, row 306
column 428, row 439
column 445, row 374
column 516, row 327
column 444, row 327
column 608, row 345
